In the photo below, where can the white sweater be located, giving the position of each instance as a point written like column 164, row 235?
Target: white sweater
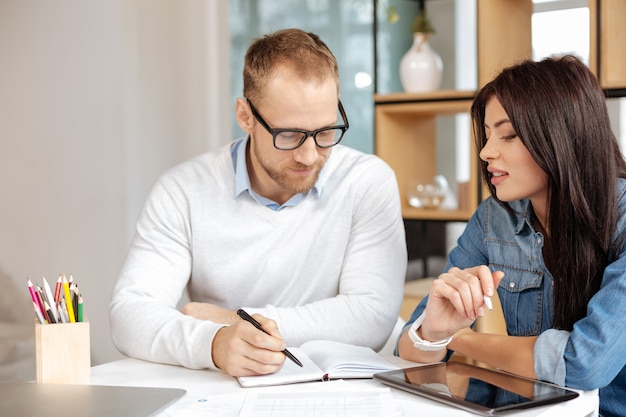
column 332, row 267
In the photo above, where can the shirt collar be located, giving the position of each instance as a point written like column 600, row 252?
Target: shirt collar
column 523, row 207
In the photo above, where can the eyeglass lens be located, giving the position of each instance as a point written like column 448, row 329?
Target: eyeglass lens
column 324, row 138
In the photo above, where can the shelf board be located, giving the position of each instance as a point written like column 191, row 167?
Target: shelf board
column 412, row 213
column 439, row 95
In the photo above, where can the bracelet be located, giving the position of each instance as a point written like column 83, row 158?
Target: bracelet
column 422, row 344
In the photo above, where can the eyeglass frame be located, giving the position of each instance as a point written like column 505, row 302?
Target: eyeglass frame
column 312, row 133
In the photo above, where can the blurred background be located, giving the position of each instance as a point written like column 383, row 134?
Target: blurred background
column 99, row 97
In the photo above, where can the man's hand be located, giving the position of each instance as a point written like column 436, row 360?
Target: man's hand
column 241, row 349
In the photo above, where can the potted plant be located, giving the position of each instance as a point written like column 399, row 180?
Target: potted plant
column 422, row 23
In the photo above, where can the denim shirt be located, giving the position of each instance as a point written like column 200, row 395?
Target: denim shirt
column 593, row 354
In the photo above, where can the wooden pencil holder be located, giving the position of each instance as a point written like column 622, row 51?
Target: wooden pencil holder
column 62, row 353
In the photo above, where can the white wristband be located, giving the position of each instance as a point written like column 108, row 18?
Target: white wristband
column 422, row 344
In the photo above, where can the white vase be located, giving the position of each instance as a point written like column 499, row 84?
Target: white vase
column 421, row 67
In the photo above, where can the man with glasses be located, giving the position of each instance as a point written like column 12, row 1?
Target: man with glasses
column 304, row 233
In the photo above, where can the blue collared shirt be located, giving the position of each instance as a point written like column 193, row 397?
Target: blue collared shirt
column 242, row 179
column 591, row 356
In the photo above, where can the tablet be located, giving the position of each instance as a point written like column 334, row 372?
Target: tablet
column 476, row 389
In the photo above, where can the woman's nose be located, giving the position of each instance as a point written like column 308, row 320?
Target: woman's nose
column 488, row 151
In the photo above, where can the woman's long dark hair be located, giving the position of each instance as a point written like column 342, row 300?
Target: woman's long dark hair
column 558, row 110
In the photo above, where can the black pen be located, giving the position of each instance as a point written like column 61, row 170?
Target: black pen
column 247, row 317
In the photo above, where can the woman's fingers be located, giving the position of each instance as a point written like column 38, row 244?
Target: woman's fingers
column 470, row 287
column 489, row 291
column 457, row 298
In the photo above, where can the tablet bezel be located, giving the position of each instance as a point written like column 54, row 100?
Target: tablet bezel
column 397, row 379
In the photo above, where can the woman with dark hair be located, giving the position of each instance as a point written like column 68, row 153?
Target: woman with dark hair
column 550, row 238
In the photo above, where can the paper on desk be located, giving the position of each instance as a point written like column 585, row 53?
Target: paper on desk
column 336, row 398
column 234, row 404
column 222, row 405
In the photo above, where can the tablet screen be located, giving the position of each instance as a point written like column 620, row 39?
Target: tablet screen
column 474, row 388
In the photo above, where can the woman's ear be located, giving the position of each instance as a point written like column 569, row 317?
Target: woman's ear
column 245, row 118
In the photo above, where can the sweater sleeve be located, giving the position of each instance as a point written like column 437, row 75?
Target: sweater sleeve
column 145, row 321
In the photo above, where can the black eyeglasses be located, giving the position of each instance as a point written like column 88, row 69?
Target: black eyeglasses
column 290, row 139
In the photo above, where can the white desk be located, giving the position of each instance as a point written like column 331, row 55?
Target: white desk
column 216, row 394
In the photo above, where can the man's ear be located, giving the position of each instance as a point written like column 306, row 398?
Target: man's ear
column 245, row 118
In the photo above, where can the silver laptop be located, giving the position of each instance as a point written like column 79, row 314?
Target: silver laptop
column 23, row 399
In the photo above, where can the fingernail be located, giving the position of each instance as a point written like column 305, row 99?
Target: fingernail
column 488, row 302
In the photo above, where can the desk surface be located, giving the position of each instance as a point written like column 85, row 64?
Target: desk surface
column 222, row 395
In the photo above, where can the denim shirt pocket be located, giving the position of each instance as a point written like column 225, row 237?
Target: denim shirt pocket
column 522, row 295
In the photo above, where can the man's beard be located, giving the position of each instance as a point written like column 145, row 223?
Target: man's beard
column 288, row 182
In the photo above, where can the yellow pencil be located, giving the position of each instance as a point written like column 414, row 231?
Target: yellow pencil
column 68, row 300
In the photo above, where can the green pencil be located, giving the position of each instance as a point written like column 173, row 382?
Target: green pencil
column 80, row 308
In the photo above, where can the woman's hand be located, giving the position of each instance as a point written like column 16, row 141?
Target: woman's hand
column 456, row 299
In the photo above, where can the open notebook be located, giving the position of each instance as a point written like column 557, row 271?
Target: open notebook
column 324, row 360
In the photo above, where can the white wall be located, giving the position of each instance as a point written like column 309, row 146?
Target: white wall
column 96, row 99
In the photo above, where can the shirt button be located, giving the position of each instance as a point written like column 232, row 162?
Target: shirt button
column 539, row 241
column 512, row 284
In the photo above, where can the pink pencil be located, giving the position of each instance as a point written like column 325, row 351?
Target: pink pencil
column 33, row 295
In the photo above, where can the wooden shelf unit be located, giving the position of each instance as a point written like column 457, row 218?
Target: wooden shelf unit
column 607, row 44
column 407, row 141
column 405, row 124
column 504, row 35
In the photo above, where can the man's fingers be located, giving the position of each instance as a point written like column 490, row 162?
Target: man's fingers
column 236, row 351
